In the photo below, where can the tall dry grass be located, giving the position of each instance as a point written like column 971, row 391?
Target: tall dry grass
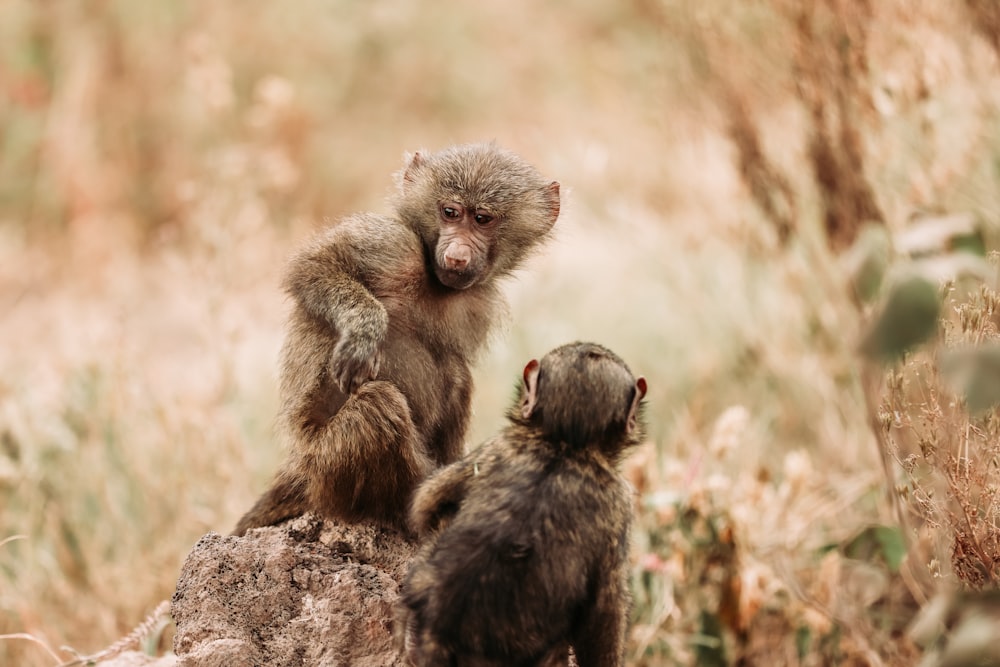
column 160, row 160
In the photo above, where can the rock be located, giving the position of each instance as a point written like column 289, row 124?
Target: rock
column 307, row 592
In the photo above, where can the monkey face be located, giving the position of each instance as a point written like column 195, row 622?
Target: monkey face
column 478, row 209
column 466, row 234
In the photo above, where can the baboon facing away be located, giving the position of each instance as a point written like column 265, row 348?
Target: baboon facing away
column 525, row 548
column 388, row 312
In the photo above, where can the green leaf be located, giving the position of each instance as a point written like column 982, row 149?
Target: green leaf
column 878, row 541
column 970, row 243
column 867, row 261
column 908, row 318
column 978, row 373
column 803, row 641
column 709, row 647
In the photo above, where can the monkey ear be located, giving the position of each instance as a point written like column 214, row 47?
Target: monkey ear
column 633, row 419
column 416, row 162
column 530, row 388
column 552, row 194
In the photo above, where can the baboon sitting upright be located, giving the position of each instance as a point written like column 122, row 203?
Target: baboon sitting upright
column 388, row 312
column 526, row 538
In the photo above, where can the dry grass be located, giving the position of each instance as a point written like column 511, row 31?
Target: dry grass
column 160, row 160
column 949, row 459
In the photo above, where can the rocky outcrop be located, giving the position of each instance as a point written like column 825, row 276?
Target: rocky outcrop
column 307, row 592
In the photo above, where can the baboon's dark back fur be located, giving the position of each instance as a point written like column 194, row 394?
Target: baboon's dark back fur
column 527, row 538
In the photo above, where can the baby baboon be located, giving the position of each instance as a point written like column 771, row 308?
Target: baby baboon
column 388, row 312
column 526, row 538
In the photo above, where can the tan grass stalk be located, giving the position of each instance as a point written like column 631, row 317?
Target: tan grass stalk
column 141, row 632
column 30, row 638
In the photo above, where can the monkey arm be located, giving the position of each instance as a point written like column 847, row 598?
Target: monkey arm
column 327, row 281
column 439, row 498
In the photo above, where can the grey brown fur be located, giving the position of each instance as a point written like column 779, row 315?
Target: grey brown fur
column 388, row 312
column 526, row 539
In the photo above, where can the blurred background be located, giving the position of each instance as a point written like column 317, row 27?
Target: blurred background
column 728, row 170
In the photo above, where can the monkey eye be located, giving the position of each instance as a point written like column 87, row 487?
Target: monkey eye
column 451, row 211
column 483, row 219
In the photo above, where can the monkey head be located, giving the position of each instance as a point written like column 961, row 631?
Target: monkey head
column 478, row 210
column 582, row 394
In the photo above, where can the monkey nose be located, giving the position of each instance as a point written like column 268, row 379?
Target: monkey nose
column 456, row 262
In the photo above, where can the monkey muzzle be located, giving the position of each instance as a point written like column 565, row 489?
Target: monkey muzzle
column 459, row 280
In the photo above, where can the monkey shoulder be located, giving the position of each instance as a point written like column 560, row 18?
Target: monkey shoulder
column 370, row 247
column 536, row 484
column 594, row 482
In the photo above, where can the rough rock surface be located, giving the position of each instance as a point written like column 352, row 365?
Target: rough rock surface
column 307, row 592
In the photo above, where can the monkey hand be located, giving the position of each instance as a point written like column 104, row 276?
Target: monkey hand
column 356, row 360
